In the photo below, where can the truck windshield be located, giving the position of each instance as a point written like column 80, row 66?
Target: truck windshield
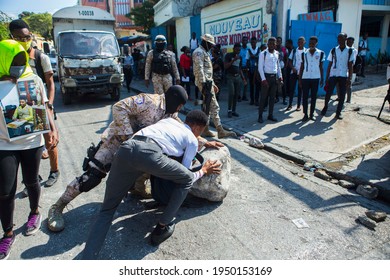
column 88, row 44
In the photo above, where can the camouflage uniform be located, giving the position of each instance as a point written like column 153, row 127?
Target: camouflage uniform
column 203, row 71
column 130, row 115
column 161, row 83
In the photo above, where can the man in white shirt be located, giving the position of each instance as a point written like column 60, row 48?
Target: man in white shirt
column 363, row 49
column 339, row 73
column 311, row 75
column 350, row 41
column 149, row 151
column 252, row 58
column 271, row 75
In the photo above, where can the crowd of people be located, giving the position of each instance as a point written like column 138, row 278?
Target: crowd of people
column 274, row 72
column 146, row 136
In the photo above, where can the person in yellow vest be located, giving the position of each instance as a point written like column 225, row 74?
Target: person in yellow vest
column 23, row 112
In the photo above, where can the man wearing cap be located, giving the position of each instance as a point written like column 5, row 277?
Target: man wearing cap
column 161, row 64
column 203, row 72
column 129, row 115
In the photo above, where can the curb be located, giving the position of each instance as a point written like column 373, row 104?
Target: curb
column 283, row 153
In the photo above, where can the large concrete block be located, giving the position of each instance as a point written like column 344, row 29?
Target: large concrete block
column 214, row 187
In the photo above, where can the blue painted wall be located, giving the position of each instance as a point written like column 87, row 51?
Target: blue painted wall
column 374, row 44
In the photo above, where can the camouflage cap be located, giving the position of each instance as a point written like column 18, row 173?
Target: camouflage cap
column 208, row 38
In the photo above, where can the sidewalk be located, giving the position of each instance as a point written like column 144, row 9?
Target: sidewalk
column 326, row 140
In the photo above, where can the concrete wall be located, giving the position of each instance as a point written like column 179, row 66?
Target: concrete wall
column 183, row 34
column 348, row 14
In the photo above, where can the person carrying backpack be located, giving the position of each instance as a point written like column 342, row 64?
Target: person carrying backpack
column 339, row 73
column 311, row 75
column 40, row 64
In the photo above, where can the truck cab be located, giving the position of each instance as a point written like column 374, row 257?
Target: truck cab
column 88, row 53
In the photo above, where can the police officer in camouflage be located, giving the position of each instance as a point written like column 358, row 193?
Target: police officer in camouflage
column 203, row 72
column 129, row 115
column 161, row 63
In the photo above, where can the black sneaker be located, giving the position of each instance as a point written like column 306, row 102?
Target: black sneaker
column 230, row 114
column 235, row 114
column 313, row 118
column 339, row 116
column 323, row 112
column 305, row 118
column 161, row 233
column 53, row 177
column 260, row 119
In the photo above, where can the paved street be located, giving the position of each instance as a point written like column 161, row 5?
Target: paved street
column 254, row 221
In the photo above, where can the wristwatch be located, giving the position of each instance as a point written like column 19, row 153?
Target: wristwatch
column 50, row 106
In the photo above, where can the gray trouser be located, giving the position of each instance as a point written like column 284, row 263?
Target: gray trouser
column 134, row 158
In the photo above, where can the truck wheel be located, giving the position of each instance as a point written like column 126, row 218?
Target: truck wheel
column 66, row 97
column 116, row 95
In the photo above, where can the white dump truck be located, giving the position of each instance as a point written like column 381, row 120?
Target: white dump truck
column 88, row 52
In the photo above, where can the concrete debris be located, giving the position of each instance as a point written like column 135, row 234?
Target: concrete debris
column 367, row 191
column 322, row 175
column 300, row 223
column 312, row 166
column 216, row 186
column 256, row 143
column 346, row 184
column 367, row 222
column 377, row 216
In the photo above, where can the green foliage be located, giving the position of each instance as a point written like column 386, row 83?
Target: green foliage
column 4, row 33
column 143, row 16
column 40, row 24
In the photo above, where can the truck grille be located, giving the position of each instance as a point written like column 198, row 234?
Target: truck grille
column 90, row 81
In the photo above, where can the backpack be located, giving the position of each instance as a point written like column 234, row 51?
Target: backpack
column 161, row 63
column 333, row 51
column 357, row 67
column 38, row 65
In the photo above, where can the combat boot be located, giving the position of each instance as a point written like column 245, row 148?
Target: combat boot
column 207, row 132
column 225, row 133
column 55, row 220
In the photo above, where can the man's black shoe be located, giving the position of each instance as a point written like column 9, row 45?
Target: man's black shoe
column 271, row 118
column 313, row 118
column 235, row 114
column 339, row 116
column 305, row 118
column 260, row 120
column 230, row 114
column 323, row 112
column 161, row 233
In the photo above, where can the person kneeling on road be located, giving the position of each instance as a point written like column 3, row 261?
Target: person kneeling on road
column 129, row 115
column 149, row 151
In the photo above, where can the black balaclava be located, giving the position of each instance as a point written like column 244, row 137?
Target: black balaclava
column 206, row 45
column 160, row 46
column 176, row 95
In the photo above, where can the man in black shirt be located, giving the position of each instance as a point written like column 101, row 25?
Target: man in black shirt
column 234, row 78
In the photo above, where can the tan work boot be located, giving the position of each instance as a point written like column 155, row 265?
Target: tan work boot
column 222, row 133
column 55, row 220
column 207, row 132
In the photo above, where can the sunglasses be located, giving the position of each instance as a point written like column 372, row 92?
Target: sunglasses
column 22, row 39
